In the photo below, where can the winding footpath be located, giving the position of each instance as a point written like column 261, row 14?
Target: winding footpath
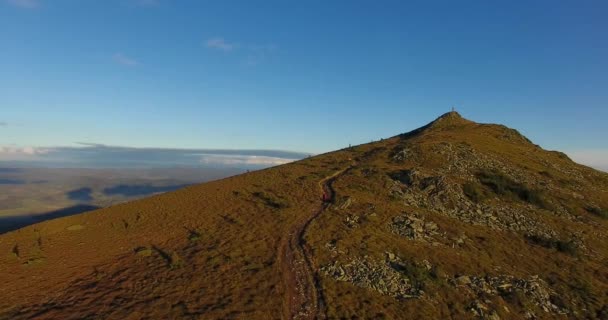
column 303, row 296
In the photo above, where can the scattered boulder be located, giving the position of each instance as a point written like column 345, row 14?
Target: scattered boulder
column 351, row 221
column 533, row 288
column 384, row 277
column 401, row 155
column 414, row 227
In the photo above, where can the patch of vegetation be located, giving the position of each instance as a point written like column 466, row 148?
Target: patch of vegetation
column 143, row 251
column 474, row 191
column 175, row 261
column 418, row 275
column 15, row 251
column 75, row 227
column 600, row 212
column 565, row 246
column 404, row 176
column 231, row 220
column 194, row 236
column 517, row 297
column 566, row 182
column 359, row 187
column 34, row 261
column 254, row 267
column 505, row 186
column 568, row 247
column 270, row 200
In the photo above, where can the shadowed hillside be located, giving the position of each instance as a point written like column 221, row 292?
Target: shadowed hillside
column 453, row 220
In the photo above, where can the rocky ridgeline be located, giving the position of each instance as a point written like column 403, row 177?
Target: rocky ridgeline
column 534, row 289
column 463, row 162
column 384, row 277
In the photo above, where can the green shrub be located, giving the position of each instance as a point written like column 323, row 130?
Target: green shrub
column 194, row 236
column 568, row 247
column 418, row 275
column 565, row 246
column 474, row 191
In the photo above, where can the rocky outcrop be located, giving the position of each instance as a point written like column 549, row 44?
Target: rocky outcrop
column 534, row 289
column 385, row 277
column 414, row 227
column 439, row 194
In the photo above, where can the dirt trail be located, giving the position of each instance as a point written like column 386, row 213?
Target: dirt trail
column 303, row 296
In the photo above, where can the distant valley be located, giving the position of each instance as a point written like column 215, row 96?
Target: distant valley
column 30, row 195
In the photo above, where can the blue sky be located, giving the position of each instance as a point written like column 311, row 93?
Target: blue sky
column 309, row 76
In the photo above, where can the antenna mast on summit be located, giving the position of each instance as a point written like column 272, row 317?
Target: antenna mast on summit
column 453, row 109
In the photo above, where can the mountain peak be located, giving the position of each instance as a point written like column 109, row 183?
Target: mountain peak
column 449, row 119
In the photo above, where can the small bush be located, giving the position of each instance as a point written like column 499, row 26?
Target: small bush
column 602, row 213
column 418, row 275
column 194, row 236
column 565, row 246
column 568, row 247
column 271, row 200
column 474, row 191
column 175, row 261
column 15, row 251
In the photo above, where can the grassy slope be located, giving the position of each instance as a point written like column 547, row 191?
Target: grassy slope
column 225, row 236
column 211, row 250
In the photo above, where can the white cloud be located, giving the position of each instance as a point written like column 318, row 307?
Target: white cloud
column 26, row 4
column 94, row 155
column 220, row 44
column 596, row 158
column 124, row 60
column 239, row 160
column 21, row 153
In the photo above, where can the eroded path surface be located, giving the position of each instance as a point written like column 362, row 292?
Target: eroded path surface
column 303, row 296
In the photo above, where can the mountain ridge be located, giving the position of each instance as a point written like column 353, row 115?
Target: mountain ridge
column 454, row 219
